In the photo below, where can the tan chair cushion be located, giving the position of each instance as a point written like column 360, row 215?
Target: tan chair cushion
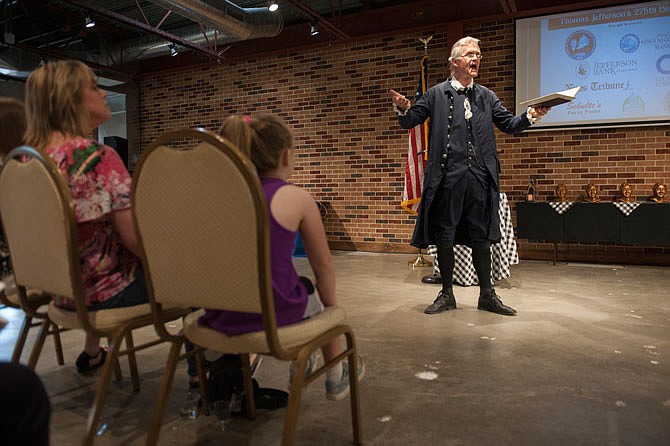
column 290, row 336
column 101, row 319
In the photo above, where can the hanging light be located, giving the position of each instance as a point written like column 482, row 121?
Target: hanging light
column 173, row 49
column 313, row 28
column 90, row 23
column 273, row 6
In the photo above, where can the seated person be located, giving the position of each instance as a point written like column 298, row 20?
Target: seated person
column 12, row 125
column 561, row 193
column 63, row 106
column 269, row 142
column 591, row 193
column 659, row 193
column 12, row 128
column 626, row 191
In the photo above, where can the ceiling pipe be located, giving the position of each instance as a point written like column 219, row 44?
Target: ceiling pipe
column 241, row 23
column 152, row 46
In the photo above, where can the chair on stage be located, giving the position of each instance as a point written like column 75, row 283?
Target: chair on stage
column 41, row 230
column 207, row 200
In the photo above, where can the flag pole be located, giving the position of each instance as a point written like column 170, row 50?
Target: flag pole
column 420, row 261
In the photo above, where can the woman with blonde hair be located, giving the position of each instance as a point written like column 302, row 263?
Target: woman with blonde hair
column 63, row 106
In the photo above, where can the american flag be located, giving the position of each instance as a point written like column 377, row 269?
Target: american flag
column 417, row 153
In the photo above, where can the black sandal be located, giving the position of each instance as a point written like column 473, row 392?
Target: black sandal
column 83, row 362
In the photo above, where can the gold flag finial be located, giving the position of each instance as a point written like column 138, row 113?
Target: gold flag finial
column 425, row 43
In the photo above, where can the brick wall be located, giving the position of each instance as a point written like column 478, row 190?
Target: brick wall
column 351, row 151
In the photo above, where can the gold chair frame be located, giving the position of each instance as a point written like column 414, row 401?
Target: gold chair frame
column 41, row 229
column 202, row 219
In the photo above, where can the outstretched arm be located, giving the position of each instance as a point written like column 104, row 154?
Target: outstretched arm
column 399, row 100
column 410, row 115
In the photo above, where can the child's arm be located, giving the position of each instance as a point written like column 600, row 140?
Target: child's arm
column 318, row 252
column 295, row 209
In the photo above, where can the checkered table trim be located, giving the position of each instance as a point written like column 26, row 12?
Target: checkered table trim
column 561, row 206
column 503, row 254
column 626, row 208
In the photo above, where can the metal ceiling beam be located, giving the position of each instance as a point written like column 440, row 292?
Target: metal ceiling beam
column 144, row 27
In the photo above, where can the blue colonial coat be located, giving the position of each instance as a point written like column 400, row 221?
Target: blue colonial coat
column 448, row 136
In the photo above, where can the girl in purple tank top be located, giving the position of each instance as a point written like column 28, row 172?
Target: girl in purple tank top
column 269, row 143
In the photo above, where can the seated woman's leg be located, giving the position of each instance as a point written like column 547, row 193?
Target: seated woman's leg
column 94, row 355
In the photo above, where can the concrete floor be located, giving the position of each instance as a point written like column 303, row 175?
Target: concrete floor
column 584, row 363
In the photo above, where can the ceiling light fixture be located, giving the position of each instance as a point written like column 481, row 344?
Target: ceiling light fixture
column 313, row 28
column 273, row 6
column 173, row 49
column 90, row 23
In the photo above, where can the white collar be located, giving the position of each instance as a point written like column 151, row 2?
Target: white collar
column 459, row 87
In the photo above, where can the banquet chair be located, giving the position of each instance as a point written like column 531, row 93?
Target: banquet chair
column 41, row 230
column 213, row 210
column 33, row 316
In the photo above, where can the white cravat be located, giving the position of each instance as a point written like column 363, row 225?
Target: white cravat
column 466, row 103
column 468, row 109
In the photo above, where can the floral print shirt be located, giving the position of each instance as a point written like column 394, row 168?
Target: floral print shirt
column 100, row 184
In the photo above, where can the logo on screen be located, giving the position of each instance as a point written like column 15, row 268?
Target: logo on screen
column 633, row 104
column 580, row 44
column 582, row 70
column 629, row 43
column 663, row 64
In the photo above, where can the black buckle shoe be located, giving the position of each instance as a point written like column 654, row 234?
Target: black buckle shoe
column 83, row 361
column 490, row 301
column 433, row 278
column 442, row 303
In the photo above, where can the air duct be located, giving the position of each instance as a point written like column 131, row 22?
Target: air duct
column 224, row 16
column 16, row 63
column 224, row 22
column 151, row 46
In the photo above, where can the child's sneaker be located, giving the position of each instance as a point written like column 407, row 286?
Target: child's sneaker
column 312, row 362
column 337, row 390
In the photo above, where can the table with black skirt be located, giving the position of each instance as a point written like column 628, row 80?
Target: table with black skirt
column 637, row 223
